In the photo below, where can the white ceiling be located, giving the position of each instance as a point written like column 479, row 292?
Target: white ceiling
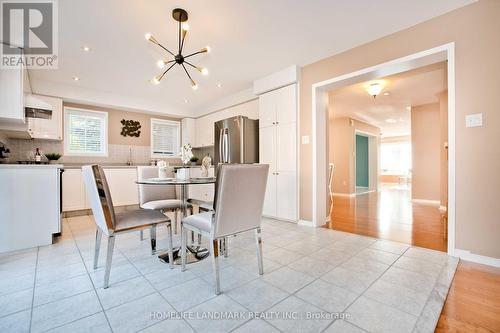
column 249, row 40
column 407, row 89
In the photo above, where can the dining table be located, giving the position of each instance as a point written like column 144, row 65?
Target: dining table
column 195, row 253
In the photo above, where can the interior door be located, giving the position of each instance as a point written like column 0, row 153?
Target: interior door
column 267, row 155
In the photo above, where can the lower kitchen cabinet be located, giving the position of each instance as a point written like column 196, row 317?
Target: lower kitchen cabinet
column 202, row 192
column 121, row 182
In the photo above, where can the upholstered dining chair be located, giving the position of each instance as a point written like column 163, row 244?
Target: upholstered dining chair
column 238, row 203
column 154, row 197
column 111, row 224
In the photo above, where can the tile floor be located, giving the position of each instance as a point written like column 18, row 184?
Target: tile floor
column 316, row 280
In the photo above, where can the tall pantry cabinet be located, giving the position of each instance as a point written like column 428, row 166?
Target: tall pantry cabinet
column 278, row 148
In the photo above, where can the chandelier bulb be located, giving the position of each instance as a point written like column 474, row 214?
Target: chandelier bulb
column 148, row 36
column 207, row 49
column 155, row 80
column 194, row 86
column 185, row 26
column 203, row 70
column 160, row 63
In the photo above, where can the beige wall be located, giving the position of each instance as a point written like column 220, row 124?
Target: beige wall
column 341, row 147
column 425, row 151
column 474, row 29
column 115, row 127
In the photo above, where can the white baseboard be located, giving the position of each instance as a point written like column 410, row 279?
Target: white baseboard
column 344, row 194
column 467, row 255
column 436, row 203
column 306, row 223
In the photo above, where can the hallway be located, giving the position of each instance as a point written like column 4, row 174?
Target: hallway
column 389, row 214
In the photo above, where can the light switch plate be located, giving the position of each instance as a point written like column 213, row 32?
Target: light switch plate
column 474, row 120
column 305, row 139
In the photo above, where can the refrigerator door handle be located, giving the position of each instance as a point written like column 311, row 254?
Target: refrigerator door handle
column 221, row 149
column 225, row 141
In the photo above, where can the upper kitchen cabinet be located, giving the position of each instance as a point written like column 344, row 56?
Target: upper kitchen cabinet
column 188, row 131
column 45, row 117
column 12, row 95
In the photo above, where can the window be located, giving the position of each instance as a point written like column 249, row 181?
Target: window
column 165, row 138
column 85, row 132
column 395, row 158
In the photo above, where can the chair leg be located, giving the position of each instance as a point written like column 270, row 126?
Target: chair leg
column 176, row 214
column 141, row 237
column 170, row 246
column 214, row 247
column 153, row 239
column 109, row 259
column 199, row 239
column 183, row 248
column 98, row 237
column 258, row 239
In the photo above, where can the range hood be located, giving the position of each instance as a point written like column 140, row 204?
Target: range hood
column 36, row 108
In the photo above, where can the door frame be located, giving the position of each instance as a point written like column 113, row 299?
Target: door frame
column 319, row 132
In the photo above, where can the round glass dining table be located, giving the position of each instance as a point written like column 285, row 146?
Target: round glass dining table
column 194, row 253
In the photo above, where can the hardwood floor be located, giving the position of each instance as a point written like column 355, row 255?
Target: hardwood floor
column 389, row 214
column 473, row 303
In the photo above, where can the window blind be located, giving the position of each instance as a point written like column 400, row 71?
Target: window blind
column 85, row 132
column 165, row 137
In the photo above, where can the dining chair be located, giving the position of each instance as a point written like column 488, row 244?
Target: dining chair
column 238, row 203
column 111, row 224
column 154, row 197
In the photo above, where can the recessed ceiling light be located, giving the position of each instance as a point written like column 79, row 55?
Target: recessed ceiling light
column 86, row 48
column 391, row 121
column 387, row 93
column 185, row 101
column 219, row 85
column 76, row 78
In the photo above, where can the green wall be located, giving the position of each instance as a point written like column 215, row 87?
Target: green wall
column 361, row 161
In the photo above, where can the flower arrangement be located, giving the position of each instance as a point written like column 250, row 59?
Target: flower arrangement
column 186, row 153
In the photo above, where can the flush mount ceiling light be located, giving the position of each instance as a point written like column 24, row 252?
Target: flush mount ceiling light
column 181, row 16
column 374, row 89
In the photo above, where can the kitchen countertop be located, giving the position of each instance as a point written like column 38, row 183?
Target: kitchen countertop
column 79, row 166
column 33, row 166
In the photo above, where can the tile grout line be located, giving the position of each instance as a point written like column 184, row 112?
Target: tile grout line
column 88, row 274
column 34, row 286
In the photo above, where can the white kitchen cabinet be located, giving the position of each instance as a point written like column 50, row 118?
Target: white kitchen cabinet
column 121, row 182
column 73, row 190
column 188, row 130
column 12, row 95
column 278, row 148
column 202, row 192
column 205, row 131
column 52, row 128
column 122, row 186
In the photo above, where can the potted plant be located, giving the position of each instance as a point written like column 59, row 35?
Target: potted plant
column 53, row 157
column 193, row 160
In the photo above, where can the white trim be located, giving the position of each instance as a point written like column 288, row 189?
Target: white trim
column 416, row 60
column 427, row 202
column 172, row 122
column 305, row 223
column 276, row 80
column 467, row 255
column 104, row 153
column 351, row 195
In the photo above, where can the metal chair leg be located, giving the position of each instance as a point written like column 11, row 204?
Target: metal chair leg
column 170, row 246
column 98, row 237
column 214, row 248
column 183, row 248
column 141, row 237
column 199, row 239
column 109, row 259
column 153, row 239
column 258, row 239
column 176, row 214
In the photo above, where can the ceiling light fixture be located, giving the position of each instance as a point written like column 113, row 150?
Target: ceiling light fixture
column 374, row 89
column 219, row 85
column 387, row 93
column 86, row 48
column 76, row 78
column 181, row 16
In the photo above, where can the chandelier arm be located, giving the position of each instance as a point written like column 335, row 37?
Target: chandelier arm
column 190, row 64
column 165, row 72
column 163, row 47
column 189, row 76
column 195, row 53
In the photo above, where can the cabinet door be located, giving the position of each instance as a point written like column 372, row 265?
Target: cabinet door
column 269, row 208
column 267, row 147
column 11, row 95
column 73, row 190
column 286, row 105
column 48, row 128
column 267, row 109
column 188, row 131
column 124, row 190
column 286, row 195
column 286, row 147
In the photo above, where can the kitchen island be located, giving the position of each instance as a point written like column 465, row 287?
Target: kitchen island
column 30, row 205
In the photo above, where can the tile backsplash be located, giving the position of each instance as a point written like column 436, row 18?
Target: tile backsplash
column 118, row 154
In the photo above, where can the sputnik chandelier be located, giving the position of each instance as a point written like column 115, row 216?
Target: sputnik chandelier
column 181, row 16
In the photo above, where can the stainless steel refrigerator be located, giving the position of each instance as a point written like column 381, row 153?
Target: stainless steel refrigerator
column 236, row 140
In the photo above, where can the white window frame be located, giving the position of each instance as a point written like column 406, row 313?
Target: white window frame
column 171, row 122
column 67, row 152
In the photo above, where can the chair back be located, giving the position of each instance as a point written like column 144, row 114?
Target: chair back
column 99, row 195
column 149, row 193
column 240, row 191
